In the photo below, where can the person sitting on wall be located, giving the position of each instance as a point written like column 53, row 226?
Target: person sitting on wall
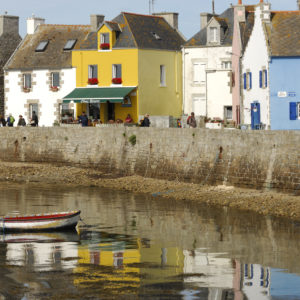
column 34, row 122
column 128, row 119
column 111, row 122
column 119, row 121
column 10, row 120
column 83, row 119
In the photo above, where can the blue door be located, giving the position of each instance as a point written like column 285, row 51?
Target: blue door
column 255, row 115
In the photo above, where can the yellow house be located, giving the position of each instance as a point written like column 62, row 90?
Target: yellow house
column 130, row 65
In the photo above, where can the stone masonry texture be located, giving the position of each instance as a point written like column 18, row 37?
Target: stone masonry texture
column 253, row 159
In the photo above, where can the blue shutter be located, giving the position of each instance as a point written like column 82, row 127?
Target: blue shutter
column 293, row 111
column 245, row 81
column 266, row 78
column 250, row 80
column 260, row 78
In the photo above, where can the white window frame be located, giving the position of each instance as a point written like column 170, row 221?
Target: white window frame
column 226, row 65
column 27, row 75
column 264, row 78
column 298, row 110
column 52, row 79
column 248, row 81
column 104, row 38
column 199, row 73
column 162, row 75
column 226, row 110
column 116, row 68
column 93, row 70
column 213, row 34
column 33, row 107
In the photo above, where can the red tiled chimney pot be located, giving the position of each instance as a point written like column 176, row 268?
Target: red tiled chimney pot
column 240, row 2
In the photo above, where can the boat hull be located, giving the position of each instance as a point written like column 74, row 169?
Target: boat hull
column 58, row 221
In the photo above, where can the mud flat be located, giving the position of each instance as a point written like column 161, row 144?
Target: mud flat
column 261, row 201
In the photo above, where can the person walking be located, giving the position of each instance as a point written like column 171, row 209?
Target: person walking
column 10, row 120
column 83, row 119
column 34, row 120
column 21, row 121
column 146, row 122
column 2, row 121
column 191, row 121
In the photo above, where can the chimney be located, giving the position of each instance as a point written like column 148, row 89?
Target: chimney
column 171, row 18
column 9, row 24
column 240, row 12
column 298, row 2
column 33, row 23
column 96, row 20
column 204, row 18
column 265, row 9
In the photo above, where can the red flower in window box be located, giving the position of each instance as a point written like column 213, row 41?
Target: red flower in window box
column 104, row 46
column 93, row 81
column 54, row 88
column 117, row 80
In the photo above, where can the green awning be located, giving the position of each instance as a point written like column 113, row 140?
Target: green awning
column 98, row 95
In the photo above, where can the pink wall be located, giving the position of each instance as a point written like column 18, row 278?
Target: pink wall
column 236, row 50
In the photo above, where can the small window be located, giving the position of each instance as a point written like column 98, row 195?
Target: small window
column 93, row 71
column 226, row 65
column 248, row 81
column 41, row 46
column 55, row 79
column 199, row 73
column 213, row 34
column 228, row 112
column 162, row 75
column 294, row 110
column 117, row 71
column 27, row 81
column 70, row 44
column 104, row 38
column 33, row 108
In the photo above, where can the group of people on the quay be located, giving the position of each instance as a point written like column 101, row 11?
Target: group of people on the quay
column 84, row 121
column 11, row 122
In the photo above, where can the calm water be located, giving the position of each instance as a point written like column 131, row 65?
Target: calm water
column 138, row 247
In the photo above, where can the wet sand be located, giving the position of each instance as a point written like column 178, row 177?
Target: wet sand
column 263, row 202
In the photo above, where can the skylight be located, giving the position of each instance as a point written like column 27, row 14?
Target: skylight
column 156, row 36
column 41, row 46
column 70, row 44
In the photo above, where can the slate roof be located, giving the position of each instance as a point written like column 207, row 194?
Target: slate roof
column 226, row 20
column 142, row 32
column 54, row 57
column 283, row 33
column 8, row 44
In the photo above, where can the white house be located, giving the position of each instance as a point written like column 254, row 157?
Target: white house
column 255, row 104
column 207, row 68
column 40, row 73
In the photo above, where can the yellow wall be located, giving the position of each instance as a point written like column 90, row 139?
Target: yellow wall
column 154, row 99
column 128, row 58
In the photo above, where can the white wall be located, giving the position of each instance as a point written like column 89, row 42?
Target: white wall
column 213, row 96
column 16, row 99
column 254, row 59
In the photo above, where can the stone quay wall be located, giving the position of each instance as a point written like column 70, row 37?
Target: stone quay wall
column 254, row 159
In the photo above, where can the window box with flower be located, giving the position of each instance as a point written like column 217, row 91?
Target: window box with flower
column 104, row 46
column 93, row 81
column 54, row 88
column 116, row 80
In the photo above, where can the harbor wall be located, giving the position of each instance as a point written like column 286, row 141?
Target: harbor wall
column 254, row 159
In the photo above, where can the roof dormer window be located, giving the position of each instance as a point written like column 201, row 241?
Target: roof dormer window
column 156, row 36
column 104, row 41
column 213, row 34
column 70, row 44
column 41, row 46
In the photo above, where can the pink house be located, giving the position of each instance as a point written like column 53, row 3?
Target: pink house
column 243, row 25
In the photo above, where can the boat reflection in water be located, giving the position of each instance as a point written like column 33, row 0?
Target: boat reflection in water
column 42, row 251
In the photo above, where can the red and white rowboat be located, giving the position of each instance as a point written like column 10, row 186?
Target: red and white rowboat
column 46, row 222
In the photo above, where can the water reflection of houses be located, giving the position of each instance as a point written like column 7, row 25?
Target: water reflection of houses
column 42, row 251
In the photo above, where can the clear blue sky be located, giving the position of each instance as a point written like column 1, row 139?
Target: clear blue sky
column 78, row 11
